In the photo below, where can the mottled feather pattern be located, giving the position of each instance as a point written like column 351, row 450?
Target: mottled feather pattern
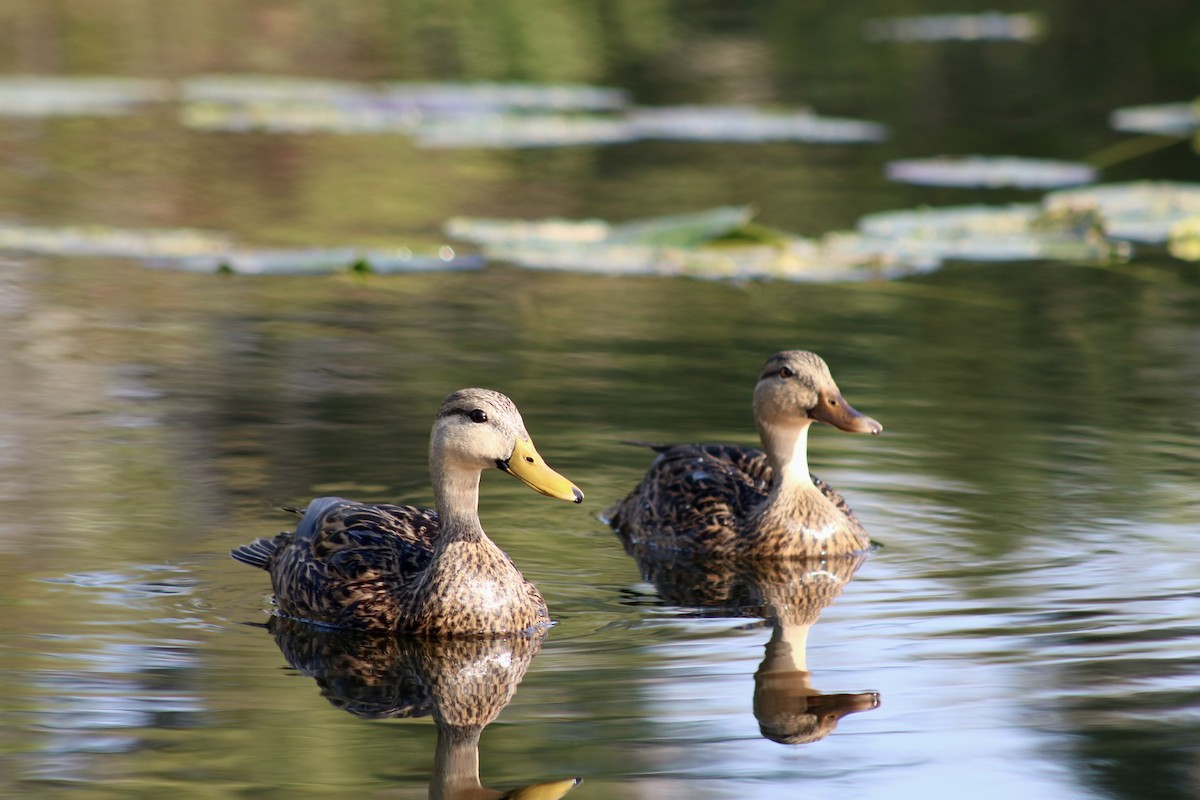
column 363, row 566
column 698, row 499
column 349, row 564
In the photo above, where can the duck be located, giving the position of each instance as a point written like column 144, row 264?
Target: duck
column 721, row 500
column 410, row 570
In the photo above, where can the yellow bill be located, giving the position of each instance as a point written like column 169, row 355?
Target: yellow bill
column 542, row 791
column 526, row 464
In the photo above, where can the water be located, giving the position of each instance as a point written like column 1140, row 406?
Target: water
column 1028, row 623
column 1032, row 605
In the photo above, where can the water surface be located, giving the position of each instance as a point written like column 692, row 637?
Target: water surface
column 1027, row 623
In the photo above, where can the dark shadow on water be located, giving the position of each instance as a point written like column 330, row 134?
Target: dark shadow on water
column 463, row 684
column 790, row 595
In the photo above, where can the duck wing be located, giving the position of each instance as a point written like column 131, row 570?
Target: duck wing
column 347, row 564
column 692, row 496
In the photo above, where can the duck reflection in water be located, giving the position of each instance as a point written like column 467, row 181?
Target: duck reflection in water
column 463, row 683
column 789, row 594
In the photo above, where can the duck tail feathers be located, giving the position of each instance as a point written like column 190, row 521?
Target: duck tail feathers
column 257, row 553
column 655, row 446
column 260, row 552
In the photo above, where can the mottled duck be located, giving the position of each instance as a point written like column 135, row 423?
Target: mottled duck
column 406, row 569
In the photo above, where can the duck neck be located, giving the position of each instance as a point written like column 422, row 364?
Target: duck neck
column 793, row 503
column 456, row 496
column 787, row 450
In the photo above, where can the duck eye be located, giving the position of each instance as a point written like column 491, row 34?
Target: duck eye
column 478, row 415
column 786, row 372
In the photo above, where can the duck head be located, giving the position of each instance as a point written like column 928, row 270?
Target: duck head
column 794, row 390
column 480, row 428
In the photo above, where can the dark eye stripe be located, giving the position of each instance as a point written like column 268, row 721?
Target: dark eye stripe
column 469, row 413
column 782, row 372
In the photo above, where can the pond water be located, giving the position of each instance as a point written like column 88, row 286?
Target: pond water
column 1027, row 627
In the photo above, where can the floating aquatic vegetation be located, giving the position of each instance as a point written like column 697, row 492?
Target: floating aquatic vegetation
column 99, row 240
column 719, row 243
column 513, row 115
column 993, row 26
column 1141, row 211
column 319, row 260
column 990, row 172
column 683, row 123
column 521, row 130
column 489, row 114
column 270, row 116
column 297, row 105
column 726, row 243
column 1018, row 232
column 516, row 231
column 47, row 96
column 436, row 98
column 203, row 251
column 745, row 124
column 1166, row 119
column 1184, row 241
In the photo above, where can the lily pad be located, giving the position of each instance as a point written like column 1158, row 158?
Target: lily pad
column 513, row 115
column 1142, row 211
column 270, row 116
column 795, row 259
column 48, row 96
column 682, row 230
column 99, row 240
column 720, row 243
column 726, row 243
column 317, row 260
column 517, row 231
column 684, row 123
column 204, row 251
column 1184, row 242
column 1018, row 232
column 994, row 26
column 1166, row 119
column 449, row 111
column 746, row 124
column 990, row 172
column 447, row 98
column 521, row 131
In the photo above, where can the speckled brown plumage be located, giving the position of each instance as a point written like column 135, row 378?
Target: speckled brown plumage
column 700, row 500
column 717, row 500
column 405, row 569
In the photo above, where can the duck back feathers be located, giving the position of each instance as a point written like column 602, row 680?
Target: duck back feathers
column 700, row 500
